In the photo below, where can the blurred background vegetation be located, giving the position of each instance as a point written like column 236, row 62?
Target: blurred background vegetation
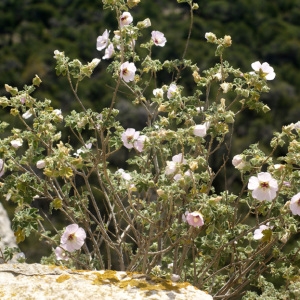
column 30, row 31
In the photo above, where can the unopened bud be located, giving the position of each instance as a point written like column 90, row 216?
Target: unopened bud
column 196, row 76
column 211, row 37
column 132, row 3
column 144, row 24
column 227, row 41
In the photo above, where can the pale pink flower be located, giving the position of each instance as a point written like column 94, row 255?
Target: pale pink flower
column 172, row 165
column 127, row 71
column 259, row 233
column 17, row 143
column 73, row 238
column 295, row 204
column 40, row 164
column 129, row 137
column 109, row 52
column 172, row 90
column 27, row 114
column 238, row 161
column 264, row 70
column 195, row 219
column 61, row 253
column 159, row 93
column 125, row 19
column 158, row 38
column 200, row 130
column 102, row 40
column 175, row 277
column 177, row 177
column 264, row 186
column 23, row 100
column 126, row 176
column 179, row 158
column 139, row 143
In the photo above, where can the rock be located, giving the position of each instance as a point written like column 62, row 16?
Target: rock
column 6, row 234
column 43, row 282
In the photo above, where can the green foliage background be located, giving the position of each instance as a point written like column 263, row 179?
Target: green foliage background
column 31, row 30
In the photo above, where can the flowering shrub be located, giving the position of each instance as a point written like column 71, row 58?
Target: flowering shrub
column 164, row 214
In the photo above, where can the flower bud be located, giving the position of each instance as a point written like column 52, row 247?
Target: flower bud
column 160, row 192
column 195, row 6
column 36, row 80
column 266, row 108
column 144, row 24
column 211, row 37
column 11, row 90
column 162, row 107
column 193, row 165
column 196, row 76
column 227, row 41
column 132, row 3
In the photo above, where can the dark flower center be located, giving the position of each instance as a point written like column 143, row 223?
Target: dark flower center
column 71, row 237
column 264, row 185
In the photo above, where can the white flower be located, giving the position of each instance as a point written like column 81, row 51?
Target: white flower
column 109, row 52
column 175, row 277
column 211, row 37
column 17, row 143
column 170, row 168
column 83, row 149
column 57, row 112
column 58, row 54
column 102, row 40
column 258, row 233
column 2, row 169
column 200, row 130
column 264, row 70
column 27, row 114
column 40, row 164
column 172, row 165
column 61, row 253
column 295, row 204
column 124, row 175
column 158, row 38
column 264, row 186
column 297, row 125
column 238, row 161
column 139, row 143
column 179, row 158
column 73, row 238
column 170, row 266
column 218, row 76
column 125, row 19
column 58, row 117
column 127, row 71
column 94, row 63
column 129, row 137
column 172, row 90
column 159, row 93
column 177, row 177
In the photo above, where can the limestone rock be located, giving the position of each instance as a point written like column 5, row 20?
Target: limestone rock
column 40, row 282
